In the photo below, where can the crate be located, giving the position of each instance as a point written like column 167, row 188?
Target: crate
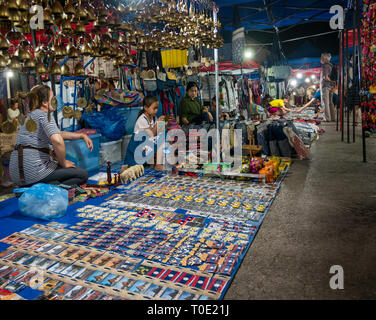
column 110, row 151
column 79, row 153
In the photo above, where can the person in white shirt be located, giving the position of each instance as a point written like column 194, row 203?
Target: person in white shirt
column 146, row 126
column 14, row 113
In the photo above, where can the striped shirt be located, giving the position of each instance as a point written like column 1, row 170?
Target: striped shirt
column 37, row 165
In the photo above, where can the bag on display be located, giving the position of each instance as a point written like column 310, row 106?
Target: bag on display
column 109, row 123
column 150, row 85
column 277, row 73
column 43, row 201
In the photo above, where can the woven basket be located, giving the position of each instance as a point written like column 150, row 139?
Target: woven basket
column 7, row 142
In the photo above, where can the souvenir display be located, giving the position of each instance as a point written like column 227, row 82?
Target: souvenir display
column 134, row 246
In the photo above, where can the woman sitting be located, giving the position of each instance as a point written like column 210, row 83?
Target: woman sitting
column 32, row 160
column 191, row 111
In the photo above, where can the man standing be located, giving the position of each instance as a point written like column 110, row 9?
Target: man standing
column 326, row 87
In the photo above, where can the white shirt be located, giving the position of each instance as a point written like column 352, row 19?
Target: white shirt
column 144, row 123
column 12, row 114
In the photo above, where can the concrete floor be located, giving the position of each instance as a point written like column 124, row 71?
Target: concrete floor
column 324, row 215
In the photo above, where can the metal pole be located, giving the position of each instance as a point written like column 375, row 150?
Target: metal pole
column 354, row 55
column 340, row 81
column 347, row 84
column 215, row 11
column 358, row 20
column 342, row 86
column 338, row 84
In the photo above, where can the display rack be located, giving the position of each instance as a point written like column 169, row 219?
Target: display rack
column 76, row 79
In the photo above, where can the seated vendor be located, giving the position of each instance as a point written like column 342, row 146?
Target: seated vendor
column 213, row 108
column 191, row 110
column 277, row 107
column 32, row 161
column 145, row 136
column 14, row 114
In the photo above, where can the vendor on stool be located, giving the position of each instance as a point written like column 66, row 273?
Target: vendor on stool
column 191, row 111
column 146, row 143
column 31, row 161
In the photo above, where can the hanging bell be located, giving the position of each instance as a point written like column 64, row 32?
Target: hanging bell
column 60, row 51
column 15, row 17
column 129, row 61
column 56, row 8
column 3, row 62
column 86, row 50
column 39, row 52
column 79, row 70
column 118, row 23
column 30, row 64
column 73, row 52
column 80, row 28
column 90, row 15
column 96, row 52
column 55, row 69
column 82, row 13
column 74, row 18
column 22, row 5
column 15, row 64
column 24, row 54
column 47, row 18
column 122, row 39
column 12, row 5
column 122, row 9
column 103, row 12
column 132, row 40
column 66, row 26
column 4, row 12
column 4, row 43
column 69, row 10
column 65, row 70
column 40, row 68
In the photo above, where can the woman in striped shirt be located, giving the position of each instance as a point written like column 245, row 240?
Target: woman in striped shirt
column 32, row 159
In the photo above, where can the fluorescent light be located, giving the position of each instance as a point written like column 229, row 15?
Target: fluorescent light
column 313, row 76
column 307, row 80
column 248, row 54
column 299, row 75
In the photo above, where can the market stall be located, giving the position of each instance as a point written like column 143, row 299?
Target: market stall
column 131, row 232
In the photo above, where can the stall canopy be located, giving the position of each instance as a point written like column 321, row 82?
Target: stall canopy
column 264, row 14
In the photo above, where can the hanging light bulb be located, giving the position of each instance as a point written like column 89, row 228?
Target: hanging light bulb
column 299, row 75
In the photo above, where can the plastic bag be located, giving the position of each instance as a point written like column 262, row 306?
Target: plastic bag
column 109, row 123
column 43, row 201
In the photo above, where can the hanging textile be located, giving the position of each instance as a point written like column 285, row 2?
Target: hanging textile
column 238, row 45
column 174, row 58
